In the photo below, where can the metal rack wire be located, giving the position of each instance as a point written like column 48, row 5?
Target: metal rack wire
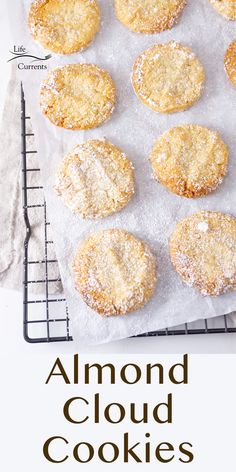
column 47, row 319
column 53, row 324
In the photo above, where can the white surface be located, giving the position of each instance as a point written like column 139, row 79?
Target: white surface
column 31, row 412
column 11, row 302
column 153, row 212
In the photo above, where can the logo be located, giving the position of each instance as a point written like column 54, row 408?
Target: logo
column 26, row 61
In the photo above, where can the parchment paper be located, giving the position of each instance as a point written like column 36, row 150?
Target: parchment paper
column 154, row 211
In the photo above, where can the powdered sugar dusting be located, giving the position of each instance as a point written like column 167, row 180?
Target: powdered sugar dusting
column 227, row 8
column 78, row 96
column 168, row 77
column 115, row 272
column 203, row 226
column 203, row 251
column 64, row 27
column 95, row 180
column 190, row 160
column 149, row 16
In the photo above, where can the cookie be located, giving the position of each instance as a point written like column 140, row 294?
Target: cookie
column 203, row 252
column 64, row 27
column 227, row 8
column 95, row 180
column 190, row 160
column 149, row 16
column 78, row 96
column 168, row 77
column 230, row 62
column 114, row 272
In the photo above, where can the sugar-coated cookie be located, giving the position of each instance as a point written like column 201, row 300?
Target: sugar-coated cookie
column 64, row 26
column 115, row 272
column 149, row 16
column 230, row 62
column 227, row 8
column 203, row 252
column 78, row 96
column 95, row 179
column 190, row 160
column 168, row 77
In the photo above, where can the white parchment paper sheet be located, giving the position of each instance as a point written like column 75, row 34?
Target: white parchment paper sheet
column 154, row 211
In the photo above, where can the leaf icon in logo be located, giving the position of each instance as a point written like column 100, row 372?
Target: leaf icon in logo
column 25, row 54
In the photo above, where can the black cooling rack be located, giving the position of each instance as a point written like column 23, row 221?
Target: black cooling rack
column 39, row 328
column 46, row 317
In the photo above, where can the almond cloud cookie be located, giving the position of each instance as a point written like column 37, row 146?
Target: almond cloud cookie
column 230, row 62
column 114, row 272
column 227, row 8
column 203, row 252
column 64, row 27
column 95, row 179
column 190, row 160
column 168, row 77
column 78, row 96
column 149, row 16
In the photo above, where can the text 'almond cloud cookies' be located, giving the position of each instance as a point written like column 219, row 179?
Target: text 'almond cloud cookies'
column 114, row 272
column 203, row 252
column 78, row 96
column 190, row 160
column 149, row 16
column 96, row 179
column 168, row 77
column 230, row 62
column 227, row 8
column 64, row 27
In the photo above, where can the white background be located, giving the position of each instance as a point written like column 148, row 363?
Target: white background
column 31, row 411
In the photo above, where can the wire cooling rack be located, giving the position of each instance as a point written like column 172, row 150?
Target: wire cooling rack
column 46, row 317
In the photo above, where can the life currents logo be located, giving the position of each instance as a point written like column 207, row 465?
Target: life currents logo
column 27, row 61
